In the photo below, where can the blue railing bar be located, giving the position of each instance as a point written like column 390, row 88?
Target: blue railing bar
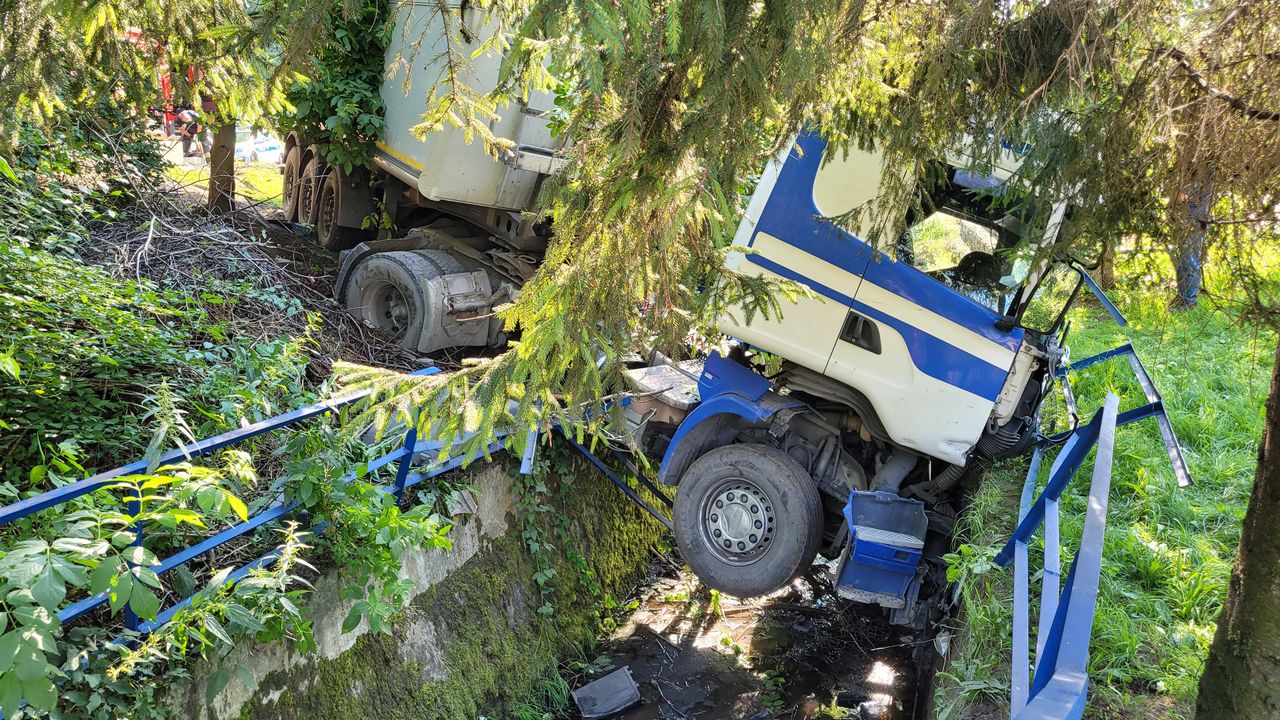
column 1107, row 305
column 1067, row 648
column 613, row 477
column 202, row 447
column 1047, row 665
column 1021, row 596
column 1092, row 360
column 83, row 606
column 641, row 477
column 381, row 462
column 530, row 448
column 272, row 513
column 406, row 456
column 135, row 509
column 23, row 508
column 1180, row 470
column 167, row 614
column 1062, row 699
column 1065, row 465
column 454, row 462
column 1050, row 574
column 1088, row 558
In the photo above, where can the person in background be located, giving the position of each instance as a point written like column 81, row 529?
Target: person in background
column 190, row 129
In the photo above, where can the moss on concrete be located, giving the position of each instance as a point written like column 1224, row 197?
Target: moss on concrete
column 496, row 646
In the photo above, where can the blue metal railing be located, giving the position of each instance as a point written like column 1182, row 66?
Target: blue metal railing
column 112, row 479
column 1058, row 687
column 405, row 478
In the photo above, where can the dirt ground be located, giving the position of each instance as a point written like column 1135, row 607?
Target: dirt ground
column 801, row 653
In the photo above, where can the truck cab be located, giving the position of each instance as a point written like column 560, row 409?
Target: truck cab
column 842, row 426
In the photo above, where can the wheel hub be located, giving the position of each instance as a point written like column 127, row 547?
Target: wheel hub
column 397, row 312
column 738, row 520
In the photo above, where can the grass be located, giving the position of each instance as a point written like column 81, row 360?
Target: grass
column 1168, row 551
column 257, row 182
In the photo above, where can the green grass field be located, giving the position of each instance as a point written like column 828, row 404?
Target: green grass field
column 258, row 182
column 1168, row 551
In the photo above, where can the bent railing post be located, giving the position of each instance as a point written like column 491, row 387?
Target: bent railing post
column 1059, row 686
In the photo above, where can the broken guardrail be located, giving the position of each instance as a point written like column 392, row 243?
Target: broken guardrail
column 1058, row 687
column 283, row 509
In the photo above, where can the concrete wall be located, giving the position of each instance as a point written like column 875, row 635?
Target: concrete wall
column 471, row 642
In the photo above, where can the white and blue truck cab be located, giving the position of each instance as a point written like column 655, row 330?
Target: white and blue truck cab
column 884, row 383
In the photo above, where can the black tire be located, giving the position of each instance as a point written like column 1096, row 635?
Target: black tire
column 329, row 233
column 308, row 185
column 776, row 528
column 385, row 292
column 292, row 173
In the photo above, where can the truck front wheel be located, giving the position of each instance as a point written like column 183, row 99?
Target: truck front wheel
column 747, row 518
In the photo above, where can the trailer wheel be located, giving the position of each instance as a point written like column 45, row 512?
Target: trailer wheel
column 308, row 185
column 747, row 519
column 291, row 178
column 386, row 292
column 329, row 233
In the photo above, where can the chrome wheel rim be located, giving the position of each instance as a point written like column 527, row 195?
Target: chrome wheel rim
column 737, row 521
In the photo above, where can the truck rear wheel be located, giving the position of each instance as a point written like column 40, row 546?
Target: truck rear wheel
column 308, row 187
column 329, row 233
column 386, row 292
column 289, row 190
column 747, row 518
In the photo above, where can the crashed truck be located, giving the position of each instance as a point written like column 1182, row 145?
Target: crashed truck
column 896, row 375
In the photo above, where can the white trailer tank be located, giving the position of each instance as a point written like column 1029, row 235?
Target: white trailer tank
column 441, row 165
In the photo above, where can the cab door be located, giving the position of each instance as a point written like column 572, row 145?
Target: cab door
column 940, row 357
column 785, row 227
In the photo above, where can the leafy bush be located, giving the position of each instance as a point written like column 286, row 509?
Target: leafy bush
column 341, row 106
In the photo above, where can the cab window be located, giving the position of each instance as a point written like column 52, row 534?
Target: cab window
column 958, row 252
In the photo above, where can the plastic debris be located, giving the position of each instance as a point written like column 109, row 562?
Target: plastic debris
column 611, row 694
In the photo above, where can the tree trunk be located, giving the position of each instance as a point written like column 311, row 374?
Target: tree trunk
column 1242, row 675
column 1188, row 266
column 222, row 169
column 1107, row 265
column 1190, row 249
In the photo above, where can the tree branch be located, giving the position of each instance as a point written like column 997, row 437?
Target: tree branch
column 1236, row 102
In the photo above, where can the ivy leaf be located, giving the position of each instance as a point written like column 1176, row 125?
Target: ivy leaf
column 7, row 170
column 10, row 692
column 49, row 590
column 40, row 692
column 143, row 602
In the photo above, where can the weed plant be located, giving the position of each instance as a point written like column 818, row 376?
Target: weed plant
column 1168, row 550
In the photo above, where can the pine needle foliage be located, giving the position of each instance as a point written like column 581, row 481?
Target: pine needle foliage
column 674, row 107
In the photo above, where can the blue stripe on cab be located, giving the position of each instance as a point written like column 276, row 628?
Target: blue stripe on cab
column 931, row 355
column 791, row 216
